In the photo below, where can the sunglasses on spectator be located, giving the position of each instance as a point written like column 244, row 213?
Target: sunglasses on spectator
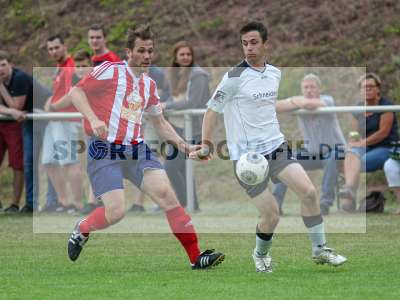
column 368, row 86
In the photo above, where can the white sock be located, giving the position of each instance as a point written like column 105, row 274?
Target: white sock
column 317, row 237
column 262, row 247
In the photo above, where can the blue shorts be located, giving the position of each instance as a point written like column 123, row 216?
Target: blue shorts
column 109, row 164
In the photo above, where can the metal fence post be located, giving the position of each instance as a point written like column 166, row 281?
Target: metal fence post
column 189, row 164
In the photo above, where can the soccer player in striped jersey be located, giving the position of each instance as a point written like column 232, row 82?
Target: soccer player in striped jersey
column 113, row 99
column 247, row 97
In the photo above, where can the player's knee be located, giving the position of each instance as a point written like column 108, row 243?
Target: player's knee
column 270, row 217
column 75, row 171
column 310, row 194
column 165, row 197
column 273, row 220
column 115, row 214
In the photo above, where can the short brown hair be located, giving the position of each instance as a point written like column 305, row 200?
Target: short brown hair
column 98, row 27
column 142, row 32
column 56, row 37
column 370, row 75
column 82, row 55
column 5, row 55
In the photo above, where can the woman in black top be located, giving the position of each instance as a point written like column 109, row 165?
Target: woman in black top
column 370, row 150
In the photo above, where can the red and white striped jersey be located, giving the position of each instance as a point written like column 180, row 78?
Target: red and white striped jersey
column 119, row 99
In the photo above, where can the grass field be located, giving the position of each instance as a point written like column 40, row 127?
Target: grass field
column 153, row 266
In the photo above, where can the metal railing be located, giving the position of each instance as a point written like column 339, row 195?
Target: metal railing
column 188, row 114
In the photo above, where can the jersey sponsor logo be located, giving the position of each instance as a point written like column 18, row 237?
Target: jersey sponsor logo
column 133, row 111
column 262, row 95
column 219, row 97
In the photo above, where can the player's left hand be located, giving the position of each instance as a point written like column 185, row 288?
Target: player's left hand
column 99, row 128
column 191, row 148
column 203, row 153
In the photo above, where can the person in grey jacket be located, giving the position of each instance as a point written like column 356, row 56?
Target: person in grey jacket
column 324, row 144
column 189, row 90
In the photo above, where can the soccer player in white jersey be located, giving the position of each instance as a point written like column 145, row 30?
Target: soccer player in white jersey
column 247, row 97
column 113, row 98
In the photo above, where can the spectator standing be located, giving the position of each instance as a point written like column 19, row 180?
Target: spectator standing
column 83, row 66
column 190, row 90
column 66, row 131
column 13, row 99
column 323, row 141
column 98, row 43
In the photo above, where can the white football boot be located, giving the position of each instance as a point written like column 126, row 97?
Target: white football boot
column 328, row 256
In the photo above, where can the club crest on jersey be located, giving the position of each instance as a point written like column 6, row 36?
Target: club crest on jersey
column 134, row 97
column 132, row 112
column 219, row 96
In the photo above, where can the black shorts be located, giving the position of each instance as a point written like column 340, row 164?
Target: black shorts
column 277, row 160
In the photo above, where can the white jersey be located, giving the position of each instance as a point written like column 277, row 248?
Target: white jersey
column 246, row 97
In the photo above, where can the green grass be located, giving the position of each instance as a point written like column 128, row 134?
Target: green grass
column 153, row 266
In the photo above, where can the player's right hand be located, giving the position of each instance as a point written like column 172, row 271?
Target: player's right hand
column 202, row 154
column 99, row 128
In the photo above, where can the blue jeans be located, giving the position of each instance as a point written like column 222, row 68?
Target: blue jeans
column 372, row 159
column 28, row 164
column 328, row 162
column 32, row 144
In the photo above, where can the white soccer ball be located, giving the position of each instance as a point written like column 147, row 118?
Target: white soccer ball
column 252, row 168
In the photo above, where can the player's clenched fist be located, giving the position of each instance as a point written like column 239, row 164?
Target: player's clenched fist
column 99, row 128
column 203, row 153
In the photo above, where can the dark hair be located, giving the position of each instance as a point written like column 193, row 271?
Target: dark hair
column 179, row 80
column 142, row 32
column 98, row 27
column 370, row 75
column 55, row 37
column 5, row 55
column 255, row 26
column 81, row 55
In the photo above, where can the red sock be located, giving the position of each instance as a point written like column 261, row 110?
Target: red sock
column 96, row 220
column 182, row 227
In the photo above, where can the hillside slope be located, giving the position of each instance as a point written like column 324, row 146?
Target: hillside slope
column 302, row 33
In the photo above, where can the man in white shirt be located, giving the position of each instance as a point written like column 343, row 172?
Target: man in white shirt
column 247, row 97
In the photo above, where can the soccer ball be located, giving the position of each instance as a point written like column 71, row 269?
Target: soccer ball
column 252, row 168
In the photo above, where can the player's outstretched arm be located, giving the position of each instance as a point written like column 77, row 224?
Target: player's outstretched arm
column 80, row 101
column 209, row 122
column 166, row 132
